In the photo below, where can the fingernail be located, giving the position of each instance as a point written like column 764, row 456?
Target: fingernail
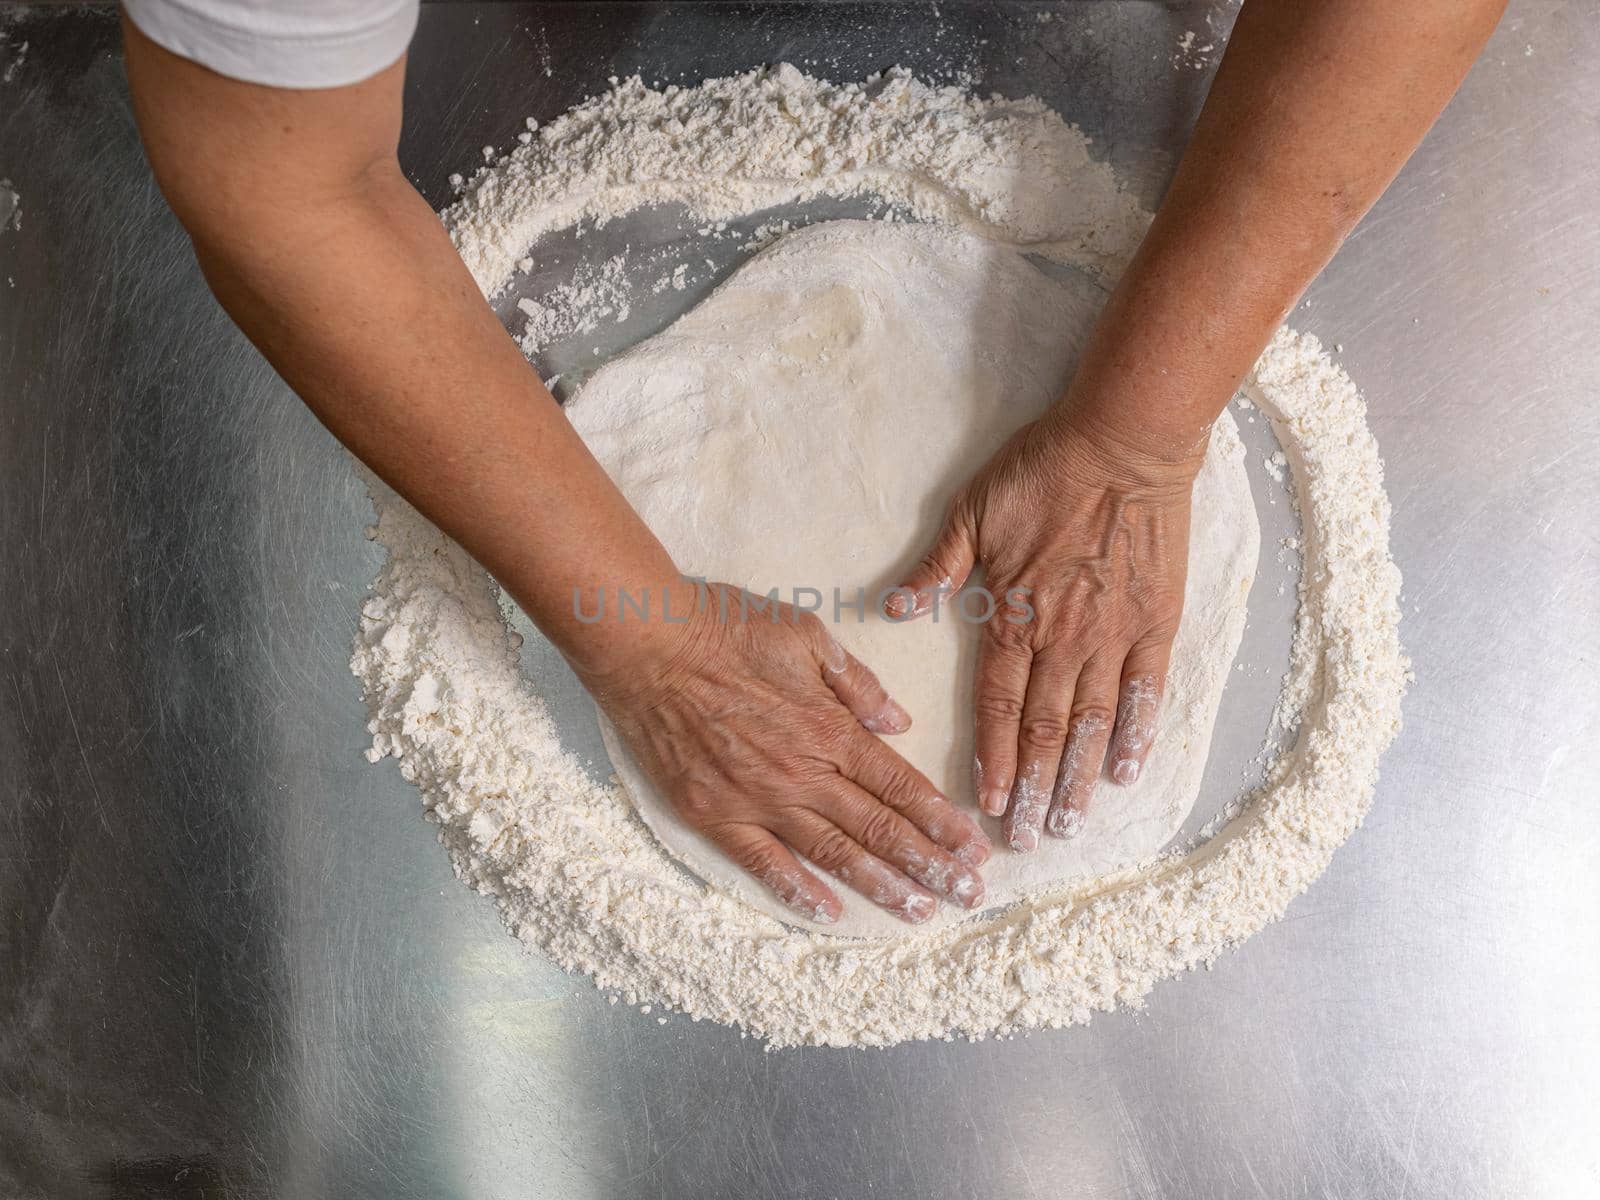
column 994, row 800
column 890, row 719
column 974, row 854
column 835, row 660
column 1066, row 822
column 968, row 890
column 1023, row 840
column 946, row 879
column 817, row 912
column 1125, row 771
column 918, row 908
column 897, row 604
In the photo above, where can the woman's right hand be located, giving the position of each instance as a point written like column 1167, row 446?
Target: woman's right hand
column 763, row 735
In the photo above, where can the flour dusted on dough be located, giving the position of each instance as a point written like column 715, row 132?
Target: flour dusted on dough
column 805, row 427
column 575, row 873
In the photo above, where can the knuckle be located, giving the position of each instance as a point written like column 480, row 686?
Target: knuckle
column 855, row 751
column 1007, row 635
column 831, row 849
column 761, row 859
column 881, row 828
column 799, row 764
column 834, row 738
column 917, row 803
column 895, row 782
column 1001, row 708
column 1044, row 729
column 1091, row 717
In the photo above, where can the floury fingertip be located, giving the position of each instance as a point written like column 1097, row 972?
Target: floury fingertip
column 974, row 854
column 891, row 718
column 968, row 891
column 1066, row 822
column 1023, row 840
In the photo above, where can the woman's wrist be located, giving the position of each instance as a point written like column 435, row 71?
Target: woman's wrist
column 620, row 637
column 1136, row 454
column 1181, row 329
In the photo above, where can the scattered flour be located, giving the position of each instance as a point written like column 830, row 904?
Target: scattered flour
column 18, row 58
column 764, row 235
column 574, row 871
column 10, row 207
column 677, row 281
column 1192, row 55
column 596, row 293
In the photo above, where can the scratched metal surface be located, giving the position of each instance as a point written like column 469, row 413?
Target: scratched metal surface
column 234, row 963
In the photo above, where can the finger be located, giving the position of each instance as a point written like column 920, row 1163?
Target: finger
column 1003, row 660
column 1144, row 676
column 858, row 688
column 1094, row 705
column 891, row 836
column 941, row 572
column 836, row 852
column 776, row 868
column 1041, row 739
column 884, row 774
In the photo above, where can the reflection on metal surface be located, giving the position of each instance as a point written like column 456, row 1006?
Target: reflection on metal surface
column 235, row 963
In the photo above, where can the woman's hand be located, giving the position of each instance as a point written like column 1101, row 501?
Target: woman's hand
column 762, row 734
column 1099, row 541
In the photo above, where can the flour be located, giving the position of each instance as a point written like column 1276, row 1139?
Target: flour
column 10, row 207
column 1190, row 54
column 597, row 293
column 11, row 68
column 574, row 871
column 731, row 147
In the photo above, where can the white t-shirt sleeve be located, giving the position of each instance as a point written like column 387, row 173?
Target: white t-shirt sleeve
column 282, row 43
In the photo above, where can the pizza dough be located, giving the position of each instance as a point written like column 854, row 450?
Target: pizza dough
column 805, row 427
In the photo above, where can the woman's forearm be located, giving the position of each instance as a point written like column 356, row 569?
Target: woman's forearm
column 449, row 413
column 1314, row 110
column 341, row 274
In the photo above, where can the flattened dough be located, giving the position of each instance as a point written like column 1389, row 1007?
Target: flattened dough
column 807, row 424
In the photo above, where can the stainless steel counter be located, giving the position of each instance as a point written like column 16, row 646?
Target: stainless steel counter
column 234, row 962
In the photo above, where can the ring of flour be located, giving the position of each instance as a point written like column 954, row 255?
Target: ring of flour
column 576, row 874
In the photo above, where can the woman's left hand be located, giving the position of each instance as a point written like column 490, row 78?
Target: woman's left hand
column 1093, row 541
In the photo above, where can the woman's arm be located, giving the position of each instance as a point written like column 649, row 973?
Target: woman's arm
column 339, row 272
column 1313, row 111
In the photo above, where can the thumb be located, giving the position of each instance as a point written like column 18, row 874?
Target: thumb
column 940, row 574
column 858, row 690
